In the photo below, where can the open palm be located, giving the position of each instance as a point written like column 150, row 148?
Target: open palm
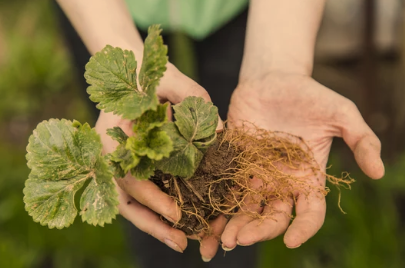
column 299, row 105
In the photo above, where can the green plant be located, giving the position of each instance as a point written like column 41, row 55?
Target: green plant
column 64, row 155
column 26, row 66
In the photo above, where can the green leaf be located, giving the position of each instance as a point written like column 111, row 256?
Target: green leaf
column 50, row 202
column 156, row 144
column 118, row 170
column 185, row 157
column 195, row 118
column 144, row 170
column 57, row 150
column 99, row 201
column 204, row 144
column 62, row 155
column 154, row 59
column 111, row 74
column 116, row 133
column 126, row 159
column 151, row 119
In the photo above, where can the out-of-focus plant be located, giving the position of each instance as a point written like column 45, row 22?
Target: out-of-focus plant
column 35, row 70
column 33, row 64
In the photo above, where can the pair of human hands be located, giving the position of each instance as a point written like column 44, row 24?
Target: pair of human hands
column 277, row 101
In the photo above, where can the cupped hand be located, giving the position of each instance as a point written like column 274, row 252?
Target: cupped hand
column 141, row 202
column 299, row 105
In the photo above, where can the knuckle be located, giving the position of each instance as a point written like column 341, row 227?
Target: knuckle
column 121, row 183
column 349, row 107
column 125, row 183
column 169, row 208
column 198, row 91
column 374, row 141
column 347, row 112
column 163, row 205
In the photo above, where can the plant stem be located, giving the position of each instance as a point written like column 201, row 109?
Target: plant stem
column 178, row 190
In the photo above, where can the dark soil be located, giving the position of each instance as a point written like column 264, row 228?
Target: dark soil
column 195, row 191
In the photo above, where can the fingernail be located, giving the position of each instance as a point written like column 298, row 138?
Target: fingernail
column 294, row 246
column 237, row 242
column 173, row 245
column 169, row 219
column 205, row 259
column 226, row 248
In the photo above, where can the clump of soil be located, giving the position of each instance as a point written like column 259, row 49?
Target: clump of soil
column 245, row 167
column 208, row 186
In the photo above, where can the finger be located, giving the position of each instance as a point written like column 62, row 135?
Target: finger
column 148, row 194
column 209, row 243
column 178, row 87
column 364, row 143
column 310, row 213
column 236, row 223
column 275, row 224
column 149, row 222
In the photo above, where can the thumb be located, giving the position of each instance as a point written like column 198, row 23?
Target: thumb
column 364, row 144
column 177, row 86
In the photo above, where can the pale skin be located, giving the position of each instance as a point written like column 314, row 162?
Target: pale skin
column 275, row 91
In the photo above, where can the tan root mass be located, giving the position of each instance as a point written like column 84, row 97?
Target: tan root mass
column 247, row 167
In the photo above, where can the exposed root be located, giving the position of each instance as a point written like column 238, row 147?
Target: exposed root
column 248, row 170
column 180, row 196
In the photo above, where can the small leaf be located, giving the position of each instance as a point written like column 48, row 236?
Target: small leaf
column 126, row 158
column 116, row 133
column 62, row 155
column 204, row 144
column 156, row 144
column 185, row 157
column 144, row 170
column 117, row 169
column 195, row 118
column 99, row 201
column 111, row 74
column 151, row 119
column 154, row 60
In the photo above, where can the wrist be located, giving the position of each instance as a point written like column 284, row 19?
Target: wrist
column 269, row 88
column 255, row 68
column 281, row 37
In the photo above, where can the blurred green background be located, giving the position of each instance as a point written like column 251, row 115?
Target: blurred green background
column 37, row 82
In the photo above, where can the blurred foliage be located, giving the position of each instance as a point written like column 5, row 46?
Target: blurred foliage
column 32, row 50
column 36, row 82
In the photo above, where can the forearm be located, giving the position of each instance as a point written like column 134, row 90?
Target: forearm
column 281, row 36
column 103, row 22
